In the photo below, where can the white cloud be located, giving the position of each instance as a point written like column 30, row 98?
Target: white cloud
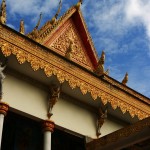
column 31, row 7
column 138, row 11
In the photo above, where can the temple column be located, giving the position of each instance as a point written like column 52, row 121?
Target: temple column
column 3, row 111
column 48, row 128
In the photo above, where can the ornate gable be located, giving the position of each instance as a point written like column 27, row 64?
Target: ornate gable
column 70, row 38
column 65, row 37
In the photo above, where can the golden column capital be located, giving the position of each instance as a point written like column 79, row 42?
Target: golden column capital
column 48, row 125
column 3, row 108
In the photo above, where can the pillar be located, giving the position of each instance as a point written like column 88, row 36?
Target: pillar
column 48, row 128
column 3, row 111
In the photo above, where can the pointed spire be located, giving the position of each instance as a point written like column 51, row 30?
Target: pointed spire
column 125, row 80
column 57, row 13
column 3, row 12
column 22, row 29
column 79, row 4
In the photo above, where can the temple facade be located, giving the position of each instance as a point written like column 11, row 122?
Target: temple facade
column 56, row 94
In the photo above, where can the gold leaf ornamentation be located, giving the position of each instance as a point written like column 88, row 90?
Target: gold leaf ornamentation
column 5, row 50
column 51, row 64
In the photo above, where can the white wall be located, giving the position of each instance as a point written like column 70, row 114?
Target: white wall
column 27, row 98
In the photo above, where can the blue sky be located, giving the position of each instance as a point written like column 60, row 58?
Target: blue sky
column 120, row 27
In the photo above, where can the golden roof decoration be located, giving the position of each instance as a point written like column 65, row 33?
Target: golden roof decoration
column 22, row 29
column 39, row 58
column 100, row 70
column 57, row 13
column 34, row 34
column 78, row 5
column 3, row 12
column 48, row 29
column 68, row 43
column 125, row 80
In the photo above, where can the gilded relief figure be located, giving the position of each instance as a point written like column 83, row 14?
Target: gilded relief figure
column 70, row 49
column 101, row 120
column 53, row 97
column 3, row 12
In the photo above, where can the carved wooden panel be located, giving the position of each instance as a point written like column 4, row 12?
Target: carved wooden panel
column 60, row 42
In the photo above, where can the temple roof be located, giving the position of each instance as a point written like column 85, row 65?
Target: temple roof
column 70, row 27
column 66, row 51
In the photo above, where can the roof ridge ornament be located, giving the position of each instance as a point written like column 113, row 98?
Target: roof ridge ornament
column 39, row 21
column 3, row 12
column 22, row 29
column 125, row 79
column 34, row 34
column 57, row 13
column 78, row 5
column 100, row 68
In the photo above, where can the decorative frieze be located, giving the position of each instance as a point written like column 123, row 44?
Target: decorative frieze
column 41, row 58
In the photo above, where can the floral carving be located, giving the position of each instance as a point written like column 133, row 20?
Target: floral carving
column 76, row 52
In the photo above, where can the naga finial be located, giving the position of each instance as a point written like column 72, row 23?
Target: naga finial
column 125, row 80
column 100, row 68
column 22, row 29
column 79, row 4
column 57, row 13
column 3, row 12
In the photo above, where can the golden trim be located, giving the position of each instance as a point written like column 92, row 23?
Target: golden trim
column 27, row 51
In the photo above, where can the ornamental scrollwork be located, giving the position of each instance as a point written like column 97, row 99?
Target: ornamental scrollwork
column 99, row 90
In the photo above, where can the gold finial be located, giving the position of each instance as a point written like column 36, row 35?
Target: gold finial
column 69, row 50
column 57, row 13
column 100, row 68
column 3, row 12
column 125, row 80
column 79, row 4
column 22, row 30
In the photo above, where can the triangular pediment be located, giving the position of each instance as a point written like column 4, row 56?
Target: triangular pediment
column 70, row 37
